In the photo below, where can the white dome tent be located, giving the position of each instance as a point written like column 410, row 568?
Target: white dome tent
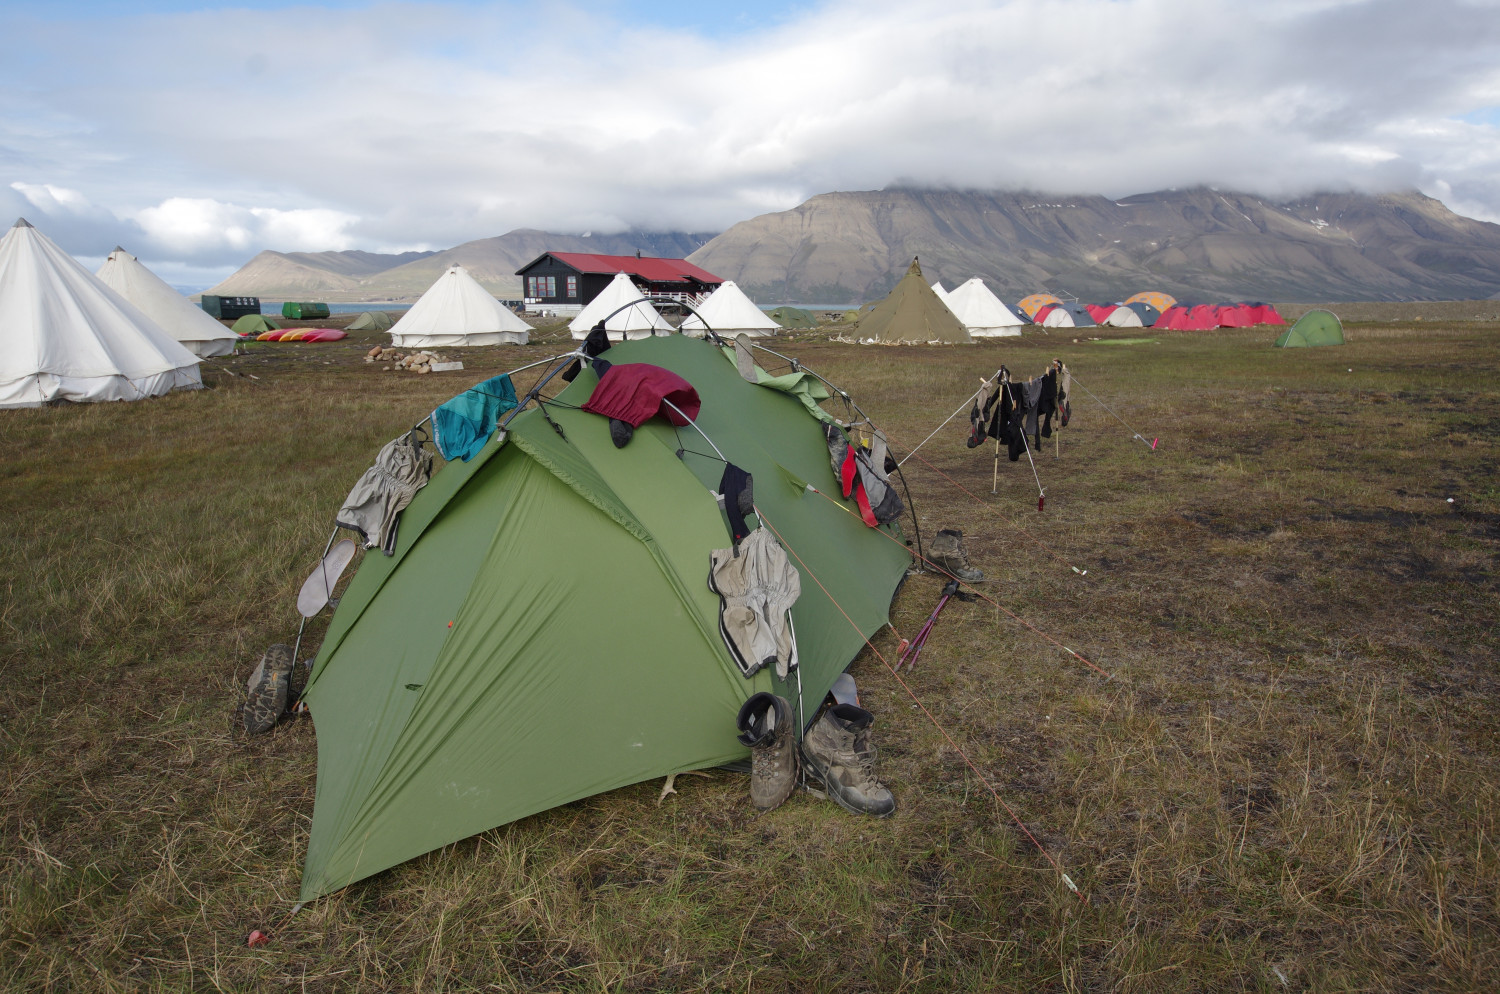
column 730, row 313
column 937, row 288
column 178, row 317
column 981, row 311
column 64, row 335
column 1124, row 317
column 456, row 312
column 640, row 321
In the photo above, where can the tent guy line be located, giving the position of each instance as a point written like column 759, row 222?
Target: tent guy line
column 1067, row 880
column 980, row 594
column 844, row 395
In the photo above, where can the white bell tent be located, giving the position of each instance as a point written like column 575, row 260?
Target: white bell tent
column 981, row 311
column 730, row 313
column 639, row 321
column 178, row 316
column 456, row 312
column 64, row 335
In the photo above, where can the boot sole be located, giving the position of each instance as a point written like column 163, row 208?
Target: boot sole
column 268, row 696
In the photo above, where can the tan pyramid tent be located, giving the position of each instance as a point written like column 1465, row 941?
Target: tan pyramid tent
column 178, row 316
column 64, row 335
column 456, row 311
column 730, row 313
column 911, row 314
column 639, row 321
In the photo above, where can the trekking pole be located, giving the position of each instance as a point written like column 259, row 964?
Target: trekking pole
column 920, row 643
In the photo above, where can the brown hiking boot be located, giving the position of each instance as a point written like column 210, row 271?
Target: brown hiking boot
column 268, row 686
column 947, row 554
column 838, row 751
column 766, row 726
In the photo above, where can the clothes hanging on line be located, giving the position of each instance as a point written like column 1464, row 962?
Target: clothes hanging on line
column 1020, row 412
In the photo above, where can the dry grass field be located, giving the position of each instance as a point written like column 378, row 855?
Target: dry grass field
column 1288, row 784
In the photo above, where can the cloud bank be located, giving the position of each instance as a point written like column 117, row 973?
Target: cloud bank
column 200, row 138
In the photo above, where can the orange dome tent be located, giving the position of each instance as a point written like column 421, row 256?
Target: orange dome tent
column 1036, row 302
column 1157, row 299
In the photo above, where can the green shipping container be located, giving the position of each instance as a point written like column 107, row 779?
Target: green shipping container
column 301, row 312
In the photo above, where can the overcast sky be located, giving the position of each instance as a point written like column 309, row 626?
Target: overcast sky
column 197, row 135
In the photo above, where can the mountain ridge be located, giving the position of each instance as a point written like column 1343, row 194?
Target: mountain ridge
column 850, row 247
column 1195, row 243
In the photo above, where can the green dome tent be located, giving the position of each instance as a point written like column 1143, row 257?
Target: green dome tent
column 253, row 324
column 371, row 321
column 1316, row 327
column 544, row 631
column 794, row 317
column 912, row 313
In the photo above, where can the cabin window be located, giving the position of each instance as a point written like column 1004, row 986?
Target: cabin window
column 572, row 287
column 541, row 286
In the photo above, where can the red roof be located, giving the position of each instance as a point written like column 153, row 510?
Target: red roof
column 654, row 270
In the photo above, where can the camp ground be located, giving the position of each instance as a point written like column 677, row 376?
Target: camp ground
column 1222, row 768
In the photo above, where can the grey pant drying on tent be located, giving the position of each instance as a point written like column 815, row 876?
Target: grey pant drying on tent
column 757, row 585
column 382, row 493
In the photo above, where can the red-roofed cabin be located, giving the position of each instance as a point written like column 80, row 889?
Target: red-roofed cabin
column 563, row 282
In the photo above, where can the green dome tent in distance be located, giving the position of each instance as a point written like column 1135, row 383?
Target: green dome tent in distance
column 794, row 317
column 253, row 324
column 371, row 321
column 1316, row 327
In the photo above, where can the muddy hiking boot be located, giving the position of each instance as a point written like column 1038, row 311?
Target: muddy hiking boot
column 838, row 751
column 269, row 686
column 947, row 554
column 766, row 726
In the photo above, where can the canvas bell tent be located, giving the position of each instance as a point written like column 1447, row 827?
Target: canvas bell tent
column 981, row 312
column 64, row 335
column 639, row 320
column 911, row 314
column 1316, row 327
column 730, row 313
column 455, row 312
column 544, row 631
column 177, row 316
